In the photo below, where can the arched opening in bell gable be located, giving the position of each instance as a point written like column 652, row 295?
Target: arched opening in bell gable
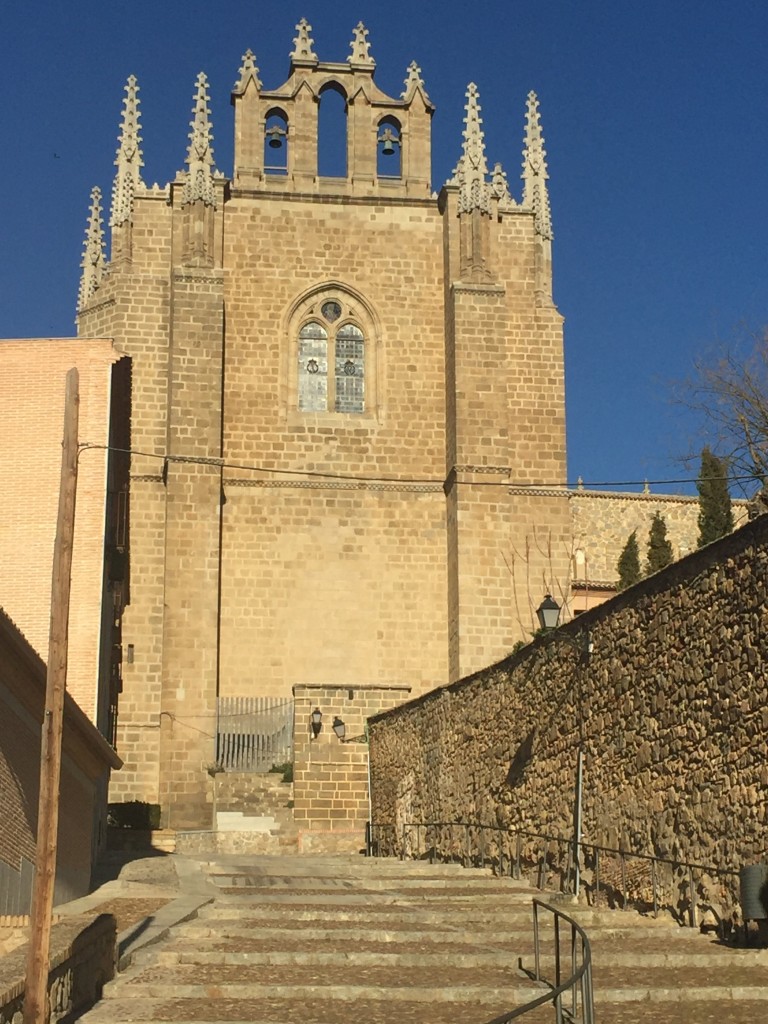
column 389, row 153
column 332, row 132
column 276, row 142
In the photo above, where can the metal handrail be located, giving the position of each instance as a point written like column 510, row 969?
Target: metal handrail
column 579, row 982
column 574, row 853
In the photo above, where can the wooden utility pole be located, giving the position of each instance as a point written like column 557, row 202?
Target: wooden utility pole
column 36, row 985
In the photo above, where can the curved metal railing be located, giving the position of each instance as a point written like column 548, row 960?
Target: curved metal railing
column 578, row 984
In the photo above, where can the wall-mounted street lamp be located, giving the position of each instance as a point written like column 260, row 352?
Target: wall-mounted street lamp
column 548, row 614
column 316, row 722
column 339, row 728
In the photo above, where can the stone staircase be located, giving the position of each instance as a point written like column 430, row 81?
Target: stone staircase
column 254, row 814
column 339, row 940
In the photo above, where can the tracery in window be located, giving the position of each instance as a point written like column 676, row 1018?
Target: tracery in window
column 332, row 355
column 344, row 389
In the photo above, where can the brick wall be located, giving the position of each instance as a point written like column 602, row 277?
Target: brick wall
column 32, row 376
column 672, row 704
column 330, row 777
column 85, row 764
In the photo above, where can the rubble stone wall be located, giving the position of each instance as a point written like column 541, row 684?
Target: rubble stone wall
column 671, row 705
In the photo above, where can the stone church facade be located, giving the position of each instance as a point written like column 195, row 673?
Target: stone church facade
column 348, row 413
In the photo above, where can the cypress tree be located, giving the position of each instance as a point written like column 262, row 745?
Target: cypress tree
column 659, row 547
column 629, row 563
column 715, row 514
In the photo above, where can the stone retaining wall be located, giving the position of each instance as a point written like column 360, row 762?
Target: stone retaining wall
column 82, row 961
column 672, row 705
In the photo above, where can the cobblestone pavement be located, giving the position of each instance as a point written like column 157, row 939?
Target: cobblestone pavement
column 337, row 941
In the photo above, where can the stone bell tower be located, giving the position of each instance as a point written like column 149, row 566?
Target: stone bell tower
column 348, row 415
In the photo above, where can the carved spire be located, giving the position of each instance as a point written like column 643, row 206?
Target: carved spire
column 92, row 262
column 471, row 170
column 414, row 82
column 302, row 45
column 535, row 196
column 248, row 73
column 361, row 47
column 128, row 160
column 199, row 184
column 500, row 187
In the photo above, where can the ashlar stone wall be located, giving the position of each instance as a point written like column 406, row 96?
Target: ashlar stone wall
column 671, row 707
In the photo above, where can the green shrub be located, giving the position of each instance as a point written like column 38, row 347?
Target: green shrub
column 285, row 769
column 134, row 814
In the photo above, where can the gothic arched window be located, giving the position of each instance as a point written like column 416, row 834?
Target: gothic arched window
column 336, row 342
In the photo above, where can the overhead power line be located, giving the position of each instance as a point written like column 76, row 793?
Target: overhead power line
column 362, row 478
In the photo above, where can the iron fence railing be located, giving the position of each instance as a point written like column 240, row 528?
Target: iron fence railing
column 574, row 989
column 608, row 876
column 253, row 733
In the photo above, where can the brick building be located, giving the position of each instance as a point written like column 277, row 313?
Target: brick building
column 32, row 383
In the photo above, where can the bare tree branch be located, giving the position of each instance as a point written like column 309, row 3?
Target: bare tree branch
column 730, row 394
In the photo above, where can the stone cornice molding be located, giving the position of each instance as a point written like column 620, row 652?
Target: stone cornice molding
column 336, row 485
column 478, row 289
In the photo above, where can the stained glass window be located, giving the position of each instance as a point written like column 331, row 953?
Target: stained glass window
column 313, row 368
column 350, row 369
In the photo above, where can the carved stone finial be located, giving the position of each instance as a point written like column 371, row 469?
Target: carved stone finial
column 302, row 45
column 129, row 158
column 500, row 188
column 248, row 73
column 413, row 81
column 360, row 47
column 580, row 484
column 471, row 170
column 646, row 487
column 93, row 261
column 535, row 196
column 199, row 183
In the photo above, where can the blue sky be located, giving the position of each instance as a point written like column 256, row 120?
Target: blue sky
column 656, row 123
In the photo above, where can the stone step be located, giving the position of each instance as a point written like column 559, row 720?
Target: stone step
column 500, row 995
column 341, row 958
column 376, row 916
column 236, row 821
column 217, row 1010
column 423, row 954
column 346, row 866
